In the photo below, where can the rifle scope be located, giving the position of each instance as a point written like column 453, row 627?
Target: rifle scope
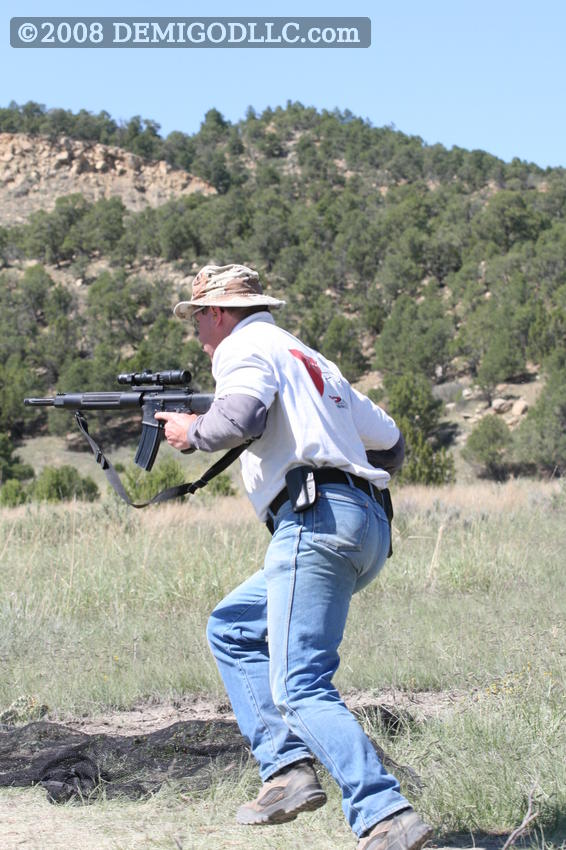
column 171, row 377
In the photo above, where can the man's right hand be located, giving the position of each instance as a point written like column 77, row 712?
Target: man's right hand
column 176, row 428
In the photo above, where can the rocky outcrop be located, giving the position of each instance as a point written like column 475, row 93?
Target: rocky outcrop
column 36, row 170
column 501, row 405
column 520, row 407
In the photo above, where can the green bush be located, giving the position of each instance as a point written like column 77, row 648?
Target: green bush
column 13, row 493
column 376, row 395
column 60, row 484
column 417, row 413
column 486, row 447
column 502, row 360
column 142, row 486
column 424, row 464
column 410, row 397
column 541, row 438
column 415, row 337
column 341, row 344
column 221, row 486
column 11, row 467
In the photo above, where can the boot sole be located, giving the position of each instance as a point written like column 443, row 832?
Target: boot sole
column 282, row 811
column 406, row 841
column 413, row 839
column 421, row 839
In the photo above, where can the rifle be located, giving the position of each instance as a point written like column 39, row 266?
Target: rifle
column 150, row 391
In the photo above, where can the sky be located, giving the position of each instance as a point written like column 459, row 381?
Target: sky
column 487, row 74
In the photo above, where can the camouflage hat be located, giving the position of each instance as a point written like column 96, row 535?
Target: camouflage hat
column 225, row 286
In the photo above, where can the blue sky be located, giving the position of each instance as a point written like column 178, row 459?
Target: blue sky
column 487, row 74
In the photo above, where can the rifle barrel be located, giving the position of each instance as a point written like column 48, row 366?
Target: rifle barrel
column 90, row 401
column 39, row 402
column 175, row 399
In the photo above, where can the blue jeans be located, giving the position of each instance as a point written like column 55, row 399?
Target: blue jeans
column 276, row 637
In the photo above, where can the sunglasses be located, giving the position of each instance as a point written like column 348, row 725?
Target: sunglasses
column 194, row 319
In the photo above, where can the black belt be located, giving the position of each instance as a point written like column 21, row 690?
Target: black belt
column 325, row 475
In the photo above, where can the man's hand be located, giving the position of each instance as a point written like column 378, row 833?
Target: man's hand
column 176, row 428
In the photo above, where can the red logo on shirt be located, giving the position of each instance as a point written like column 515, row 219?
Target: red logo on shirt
column 312, row 368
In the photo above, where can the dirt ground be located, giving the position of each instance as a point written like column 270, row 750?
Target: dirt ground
column 28, row 820
column 149, row 717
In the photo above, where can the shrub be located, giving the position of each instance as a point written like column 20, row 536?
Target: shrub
column 487, row 446
column 417, row 413
column 410, row 397
column 10, row 465
column 59, row 484
column 221, row 486
column 13, row 493
column 341, row 344
column 376, row 394
column 541, row 438
column 501, row 362
column 424, row 464
column 142, row 486
column 414, row 338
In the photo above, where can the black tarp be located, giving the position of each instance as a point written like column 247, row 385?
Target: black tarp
column 71, row 764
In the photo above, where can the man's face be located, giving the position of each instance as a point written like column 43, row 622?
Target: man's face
column 212, row 326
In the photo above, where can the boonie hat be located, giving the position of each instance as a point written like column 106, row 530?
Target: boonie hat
column 225, row 286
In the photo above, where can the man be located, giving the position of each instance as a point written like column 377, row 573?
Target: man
column 315, row 471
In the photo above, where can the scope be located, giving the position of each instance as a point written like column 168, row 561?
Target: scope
column 171, row 377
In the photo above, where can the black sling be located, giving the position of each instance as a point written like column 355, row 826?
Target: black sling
column 175, row 492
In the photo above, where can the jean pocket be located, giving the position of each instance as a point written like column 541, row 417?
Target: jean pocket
column 340, row 524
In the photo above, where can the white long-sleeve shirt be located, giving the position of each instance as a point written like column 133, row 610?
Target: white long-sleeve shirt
column 314, row 416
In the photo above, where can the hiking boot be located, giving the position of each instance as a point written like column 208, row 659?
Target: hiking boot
column 292, row 790
column 403, row 831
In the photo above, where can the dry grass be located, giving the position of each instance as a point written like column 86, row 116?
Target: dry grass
column 479, row 497
column 228, row 513
column 102, row 607
column 169, row 821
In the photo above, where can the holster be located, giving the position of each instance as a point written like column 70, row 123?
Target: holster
column 301, row 487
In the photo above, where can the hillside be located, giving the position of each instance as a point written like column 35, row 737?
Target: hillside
column 435, row 273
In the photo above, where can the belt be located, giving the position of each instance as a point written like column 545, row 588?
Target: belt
column 326, row 475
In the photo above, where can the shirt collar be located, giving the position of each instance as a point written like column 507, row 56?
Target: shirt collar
column 255, row 317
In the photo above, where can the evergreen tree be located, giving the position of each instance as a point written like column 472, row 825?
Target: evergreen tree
column 417, row 413
column 541, row 438
column 341, row 344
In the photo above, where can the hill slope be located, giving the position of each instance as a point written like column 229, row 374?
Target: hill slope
column 445, row 265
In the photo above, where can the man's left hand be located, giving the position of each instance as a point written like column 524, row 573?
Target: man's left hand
column 176, row 428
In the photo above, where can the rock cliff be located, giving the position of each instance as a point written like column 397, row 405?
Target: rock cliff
column 36, row 170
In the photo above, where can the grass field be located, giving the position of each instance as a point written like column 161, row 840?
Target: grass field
column 102, row 607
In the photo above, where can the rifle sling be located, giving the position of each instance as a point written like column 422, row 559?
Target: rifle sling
column 175, row 492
